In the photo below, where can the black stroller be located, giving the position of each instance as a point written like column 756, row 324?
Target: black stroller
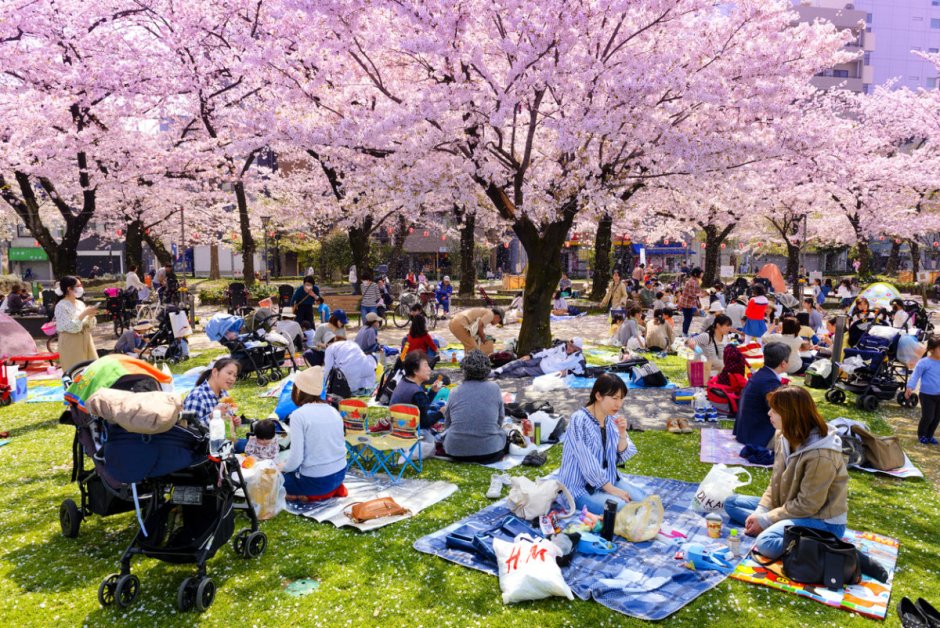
column 160, row 343
column 237, row 297
column 185, row 501
column 285, row 292
column 250, row 341
column 121, row 307
column 881, row 377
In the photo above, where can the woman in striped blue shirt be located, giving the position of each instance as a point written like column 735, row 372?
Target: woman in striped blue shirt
column 595, row 443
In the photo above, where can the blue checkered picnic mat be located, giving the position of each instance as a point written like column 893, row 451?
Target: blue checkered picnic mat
column 642, row 580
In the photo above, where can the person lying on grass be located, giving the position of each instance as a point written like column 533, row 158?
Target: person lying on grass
column 595, row 443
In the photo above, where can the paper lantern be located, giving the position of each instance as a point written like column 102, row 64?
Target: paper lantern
column 506, row 245
column 443, row 238
column 703, row 245
column 897, row 241
column 882, row 238
column 426, row 233
column 120, row 233
column 760, row 244
column 411, row 229
column 936, row 244
column 722, row 245
column 666, row 241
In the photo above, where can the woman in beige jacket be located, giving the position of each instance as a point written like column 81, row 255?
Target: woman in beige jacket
column 809, row 482
column 616, row 294
column 74, row 323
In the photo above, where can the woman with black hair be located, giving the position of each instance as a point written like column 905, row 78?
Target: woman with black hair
column 74, row 322
column 419, row 339
column 712, row 341
column 689, row 301
column 211, row 389
column 596, row 442
column 413, row 388
column 659, row 333
column 304, row 301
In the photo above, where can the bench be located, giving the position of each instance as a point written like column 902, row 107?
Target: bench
column 349, row 303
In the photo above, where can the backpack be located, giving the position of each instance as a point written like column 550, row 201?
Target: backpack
column 390, row 379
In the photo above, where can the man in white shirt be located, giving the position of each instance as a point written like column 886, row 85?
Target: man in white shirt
column 559, row 359
column 348, row 358
column 133, row 282
column 735, row 312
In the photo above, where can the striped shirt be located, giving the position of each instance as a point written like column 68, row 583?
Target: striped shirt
column 582, row 459
column 371, row 295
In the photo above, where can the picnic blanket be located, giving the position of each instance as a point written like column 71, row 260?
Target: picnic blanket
column 720, row 446
column 49, row 391
column 415, row 495
column 508, row 462
column 641, row 580
column 573, row 381
column 869, row 597
column 567, row 317
column 601, row 357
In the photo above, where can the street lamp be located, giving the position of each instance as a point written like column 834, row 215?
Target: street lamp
column 265, row 221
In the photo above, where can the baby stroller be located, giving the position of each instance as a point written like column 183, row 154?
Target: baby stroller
column 879, row 378
column 237, row 297
column 789, row 303
column 161, row 343
column 285, row 292
column 739, row 288
column 121, row 307
column 184, row 500
column 250, row 340
column 917, row 318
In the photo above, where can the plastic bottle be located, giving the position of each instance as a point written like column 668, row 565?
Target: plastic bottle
column 734, row 542
column 216, row 433
column 610, row 516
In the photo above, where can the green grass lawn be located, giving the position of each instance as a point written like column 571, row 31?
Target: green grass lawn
column 377, row 578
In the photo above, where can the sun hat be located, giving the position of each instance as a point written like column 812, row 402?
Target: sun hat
column 328, row 336
column 372, row 317
column 310, row 381
column 716, row 307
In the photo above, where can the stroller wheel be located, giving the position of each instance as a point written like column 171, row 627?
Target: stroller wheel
column 912, row 402
column 834, row 395
column 107, row 588
column 186, row 595
column 69, row 518
column 127, row 590
column 238, row 543
column 205, row 594
column 262, row 380
column 868, row 403
column 277, row 374
column 255, row 545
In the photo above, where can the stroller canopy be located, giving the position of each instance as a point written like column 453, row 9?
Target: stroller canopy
column 222, row 323
column 880, row 295
column 104, row 372
column 14, row 339
column 787, row 300
column 772, row 273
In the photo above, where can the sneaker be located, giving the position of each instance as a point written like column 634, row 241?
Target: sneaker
column 922, row 440
column 495, row 489
column 712, row 415
column 700, row 415
column 382, row 425
column 932, row 441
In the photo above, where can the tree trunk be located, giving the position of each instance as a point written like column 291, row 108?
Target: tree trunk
column 602, row 242
column 893, row 258
column 248, row 241
column 468, row 275
column 360, row 244
column 214, row 272
column 915, row 257
column 714, row 237
column 793, row 267
column 164, row 257
column 864, row 257
column 397, row 267
column 134, row 245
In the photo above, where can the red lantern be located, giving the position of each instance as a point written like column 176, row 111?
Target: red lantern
column 703, row 245
column 760, row 244
column 426, row 233
column 120, row 233
column 666, row 241
column 897, row 241
column 722, row 245
column 506, row 245
column 936, row 244
column 882, row 238
column 443, row 238
column 411, row 229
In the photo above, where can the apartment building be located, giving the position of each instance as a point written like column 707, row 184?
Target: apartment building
column 858, row 74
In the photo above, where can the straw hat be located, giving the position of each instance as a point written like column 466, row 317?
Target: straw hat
column 310, row 381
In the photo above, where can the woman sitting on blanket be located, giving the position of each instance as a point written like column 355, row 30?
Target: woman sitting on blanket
column 711, row 342
column 474, row 415
column 595, row 443
column 316, row 461
column 733, row 374
column 659, row 333
column 809, row 482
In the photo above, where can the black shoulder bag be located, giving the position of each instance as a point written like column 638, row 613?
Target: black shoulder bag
column 818, row 556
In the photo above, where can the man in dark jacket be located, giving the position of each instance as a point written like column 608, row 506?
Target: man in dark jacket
column 752, row 426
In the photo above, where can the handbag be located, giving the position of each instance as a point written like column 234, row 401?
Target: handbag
column 528, row 500
column 374, row 509
column 881, row 452
column 819, row 557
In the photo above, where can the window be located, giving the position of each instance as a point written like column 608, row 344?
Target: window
column 933, row 50
column 934, row 22
column 868, row 54
column 22, row 231
column 868, row 17
column 840, row 73
column 935, row 3
column 931, row 83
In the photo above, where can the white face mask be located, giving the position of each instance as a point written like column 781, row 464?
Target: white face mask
column 79, row 292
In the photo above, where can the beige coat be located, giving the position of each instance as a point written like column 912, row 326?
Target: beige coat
column 616, row 295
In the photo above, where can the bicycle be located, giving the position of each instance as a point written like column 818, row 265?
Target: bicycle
column 401, row 313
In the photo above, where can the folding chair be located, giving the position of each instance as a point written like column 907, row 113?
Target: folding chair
column 403, row 441
column 355, row 426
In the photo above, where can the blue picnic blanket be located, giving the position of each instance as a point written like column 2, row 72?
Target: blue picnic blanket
column 567, row 317
column 642, row 580
column 574, row 381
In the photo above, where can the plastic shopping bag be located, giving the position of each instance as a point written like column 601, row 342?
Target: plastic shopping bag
column 265, row 486
column 640, row 521
column 717, row 486
column 528, row 570
column 180, row 325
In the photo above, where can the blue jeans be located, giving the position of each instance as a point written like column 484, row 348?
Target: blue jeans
column 687, row 314
column 365, row 309
column 595, row 503
column 296, row 484
column 770, row 541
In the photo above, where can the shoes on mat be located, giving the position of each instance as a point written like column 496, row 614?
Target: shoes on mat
column 497, row 481
column 700, row 415
column 672, row 426
column 684, row 425
column 711, row 414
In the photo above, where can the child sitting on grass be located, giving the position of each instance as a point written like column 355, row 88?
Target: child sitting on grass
column 262, row 444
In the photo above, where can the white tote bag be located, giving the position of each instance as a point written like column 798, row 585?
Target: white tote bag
column 528, row 570
column 180, row 325
column 717, row 486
